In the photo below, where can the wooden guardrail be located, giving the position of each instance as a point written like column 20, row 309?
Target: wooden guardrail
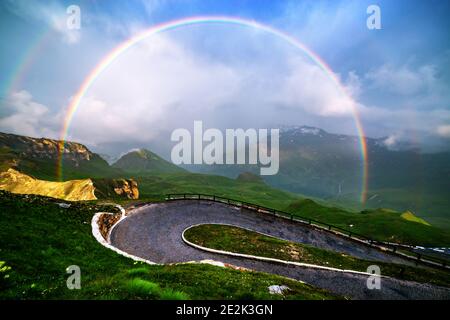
column 386, row 247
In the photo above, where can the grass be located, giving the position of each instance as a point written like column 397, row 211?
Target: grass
column 142, row 288
column 377, row 224
column 238, row 240
column 431, row 206
column 39, row 240
column 411, row 217
column 156, row 186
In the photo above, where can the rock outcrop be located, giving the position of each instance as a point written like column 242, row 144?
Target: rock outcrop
column 45, row 149
column 126, row 188
column 116, row 188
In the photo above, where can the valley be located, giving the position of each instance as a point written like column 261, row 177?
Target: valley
column 140, row 178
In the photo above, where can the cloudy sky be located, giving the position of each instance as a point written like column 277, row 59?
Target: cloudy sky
column 229, row 76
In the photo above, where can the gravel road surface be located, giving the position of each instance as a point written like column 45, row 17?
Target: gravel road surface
column 153, row 232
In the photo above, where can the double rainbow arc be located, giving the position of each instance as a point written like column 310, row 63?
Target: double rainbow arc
column 124, row 46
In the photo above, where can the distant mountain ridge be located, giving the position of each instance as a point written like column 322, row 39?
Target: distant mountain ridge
column 38, row 157
column 313, row 162
column 317, row 163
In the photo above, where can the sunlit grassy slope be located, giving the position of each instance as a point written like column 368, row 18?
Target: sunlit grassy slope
column 73, row 190
column 408, row 215
column 17, row 182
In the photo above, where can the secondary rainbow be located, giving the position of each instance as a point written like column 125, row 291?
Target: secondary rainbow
column 25, row 62
column 120, row 49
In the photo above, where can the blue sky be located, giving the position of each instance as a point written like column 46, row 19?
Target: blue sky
column 399, row 76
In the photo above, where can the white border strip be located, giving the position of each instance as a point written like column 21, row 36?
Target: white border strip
column 299, row 264
column 98, row 236
column 106, row 243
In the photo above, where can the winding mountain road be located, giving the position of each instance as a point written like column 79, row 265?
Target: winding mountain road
column 153, row 232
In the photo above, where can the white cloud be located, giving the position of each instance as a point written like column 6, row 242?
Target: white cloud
column 161, row 84
column 443, row 130
column 391, row 141
column 27, row 117
column 152, row 85
column 310, row 88
column 151, row 6
column 403, row 80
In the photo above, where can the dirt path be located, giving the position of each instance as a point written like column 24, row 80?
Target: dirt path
column 154, row 232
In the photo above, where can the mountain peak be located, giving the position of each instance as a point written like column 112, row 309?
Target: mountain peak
column 249, row 177
column 145, row 161
column 144, row 154
column 303, row 130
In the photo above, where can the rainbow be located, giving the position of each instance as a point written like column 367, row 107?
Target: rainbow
column 124, row 46
column 26, row 61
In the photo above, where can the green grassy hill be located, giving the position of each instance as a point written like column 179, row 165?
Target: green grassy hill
column 378, row 224
column 145, row 162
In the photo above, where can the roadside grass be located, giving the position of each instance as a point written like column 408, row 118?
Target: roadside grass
column 431, row 206
column 377, row 224
column 39, row 240
column 238, row 240
column 142, row 288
